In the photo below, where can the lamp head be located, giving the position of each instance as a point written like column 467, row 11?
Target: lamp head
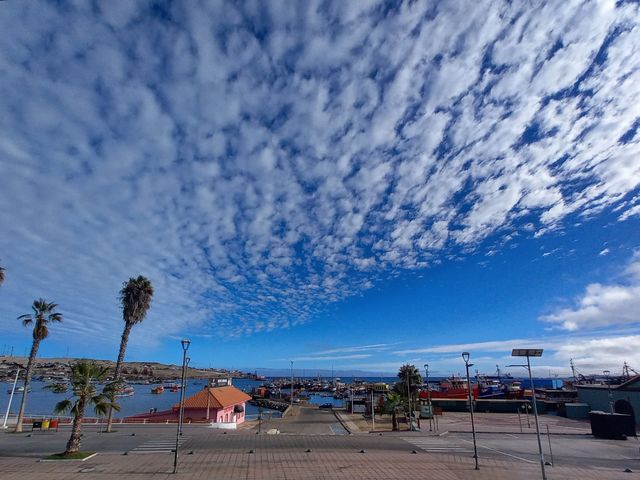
column 465, row 357
column 185, row 344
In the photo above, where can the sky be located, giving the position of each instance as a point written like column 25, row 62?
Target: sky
column 346, row 185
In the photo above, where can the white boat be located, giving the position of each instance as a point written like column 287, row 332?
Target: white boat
column 126, row 391
column 19, row 389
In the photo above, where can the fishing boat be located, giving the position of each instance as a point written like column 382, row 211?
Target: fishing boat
column 450, row 388
column 157, row 390
column 125, row 391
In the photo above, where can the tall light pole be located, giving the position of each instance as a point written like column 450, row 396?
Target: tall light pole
column 13, row 389
column 465, row 357
column 185, row 346
column 373, row 411
column 426, row 375
column 606, row 374
column 532, row 352
column 291, row 400
column 409, row 400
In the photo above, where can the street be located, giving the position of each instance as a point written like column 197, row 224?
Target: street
column 310, row 436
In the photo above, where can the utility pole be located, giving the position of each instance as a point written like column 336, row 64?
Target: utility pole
column 291, row 401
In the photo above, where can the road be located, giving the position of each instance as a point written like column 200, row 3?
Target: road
column 320, row 431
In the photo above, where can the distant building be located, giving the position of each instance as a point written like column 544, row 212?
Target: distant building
column 625, row 397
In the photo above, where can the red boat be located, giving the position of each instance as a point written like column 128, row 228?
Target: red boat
column 452, row 387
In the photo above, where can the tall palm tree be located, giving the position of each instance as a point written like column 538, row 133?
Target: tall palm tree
column 1, row 275
column 83, row 374
column 43, row 314
column 135, row 298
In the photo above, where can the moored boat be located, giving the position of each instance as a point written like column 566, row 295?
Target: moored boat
column 125, row 391
column 157, row 390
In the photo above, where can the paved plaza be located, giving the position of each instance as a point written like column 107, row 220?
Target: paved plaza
column 314, row 444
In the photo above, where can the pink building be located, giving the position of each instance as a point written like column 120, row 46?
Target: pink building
column 224, row 404
column 215, row 404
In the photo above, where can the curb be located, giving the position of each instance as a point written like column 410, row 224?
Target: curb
column 500, row 432
column 68, row 459
column 342, row 422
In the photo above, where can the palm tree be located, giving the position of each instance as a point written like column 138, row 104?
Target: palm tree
column 135, row 298
column 409, row 377
column 43, row 314
column 1, row 275
column 83, row 374
column 391, row 404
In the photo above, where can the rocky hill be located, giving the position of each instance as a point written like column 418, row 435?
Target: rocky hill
column 58, row 369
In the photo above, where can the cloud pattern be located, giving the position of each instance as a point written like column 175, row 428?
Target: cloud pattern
column 259, row 161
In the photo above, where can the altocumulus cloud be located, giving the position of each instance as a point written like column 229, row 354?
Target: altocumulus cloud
column 258, row 161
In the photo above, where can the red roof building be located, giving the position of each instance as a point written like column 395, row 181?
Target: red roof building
column 217, row 404
column 224, row 404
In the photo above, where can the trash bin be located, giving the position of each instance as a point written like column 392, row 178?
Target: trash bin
column 53, row 424
column 45, row 424
column 615, row 426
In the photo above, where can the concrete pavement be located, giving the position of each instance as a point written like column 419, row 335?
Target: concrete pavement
column 145, row 452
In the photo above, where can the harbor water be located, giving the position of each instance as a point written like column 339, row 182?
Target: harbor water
column 41, row 402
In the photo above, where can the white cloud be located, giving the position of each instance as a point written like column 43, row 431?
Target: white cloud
column 603, row 305
column 257, row 172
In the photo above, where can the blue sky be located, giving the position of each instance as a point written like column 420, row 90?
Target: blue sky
column 342, row 184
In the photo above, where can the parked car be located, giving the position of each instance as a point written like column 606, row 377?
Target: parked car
column 326, row 405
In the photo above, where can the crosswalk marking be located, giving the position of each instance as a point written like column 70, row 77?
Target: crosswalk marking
column 433, row 445
column 159, row 445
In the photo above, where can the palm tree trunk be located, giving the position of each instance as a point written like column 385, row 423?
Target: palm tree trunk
column 73, row 445
column 394, row 422
column 116, row 374
column 27, row 379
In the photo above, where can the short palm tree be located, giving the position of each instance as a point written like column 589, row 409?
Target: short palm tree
column 410, row 380
column 83, row 374
column 135, row 298
column 392, row 402
column 43, row 314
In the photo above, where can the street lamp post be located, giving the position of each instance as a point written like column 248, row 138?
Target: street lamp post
column 291, row 400
column 610, row 395
column 465, row 357
column 185, row 346
column 409, row 400
column 13, row 389
column 426, row 375
column 532, row 352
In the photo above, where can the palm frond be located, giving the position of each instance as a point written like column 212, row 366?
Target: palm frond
column 63, row 406
column 26, row 319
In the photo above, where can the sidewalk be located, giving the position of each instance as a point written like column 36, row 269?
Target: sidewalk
column 292, row 465
column 460, row 422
